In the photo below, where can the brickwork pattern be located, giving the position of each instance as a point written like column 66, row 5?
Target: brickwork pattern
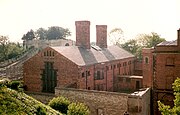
column 101, row 36
column 83, row 34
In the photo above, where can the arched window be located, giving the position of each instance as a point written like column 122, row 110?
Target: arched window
column 67, row 44
column 52, row 53
column 49, row 53
column 146, row 60
column 44, row 53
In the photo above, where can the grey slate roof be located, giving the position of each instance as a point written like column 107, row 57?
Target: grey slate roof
column 168, row 43
column 82, row 56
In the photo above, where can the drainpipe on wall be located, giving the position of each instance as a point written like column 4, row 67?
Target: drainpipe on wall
column 106, row 77
column 94, row 77
column 86, row 77
column 102, row 67
column 113, row 76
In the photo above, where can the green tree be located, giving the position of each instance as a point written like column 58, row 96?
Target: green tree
column 4, row 47
column 116, row 36
column 9, row 49
column 52, row 33
column 166, row 109
column 149, row 40
column 131, row 46
column 136, row 45
column 56, row 32
column 14, row 49
column 41, row 33
column 30, row 35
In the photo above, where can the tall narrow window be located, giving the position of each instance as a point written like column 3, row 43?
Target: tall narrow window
column 83, row 74
column 44, row 53
column 146, row 60
column 102, row 76
column 49, row 53
column 99, row 75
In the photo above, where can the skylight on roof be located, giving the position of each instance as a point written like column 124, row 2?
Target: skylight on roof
column 96, row 47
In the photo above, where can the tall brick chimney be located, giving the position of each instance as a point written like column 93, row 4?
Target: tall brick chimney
column 83, row 34
column 101, row 36
column 178, row 38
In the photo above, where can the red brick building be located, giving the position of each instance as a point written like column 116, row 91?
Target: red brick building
column 161, row 66
column 82, row 66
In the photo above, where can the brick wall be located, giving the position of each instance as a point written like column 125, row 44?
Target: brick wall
column 67, row 71
column 168, row 67
column 138, row 67
column 165, row 61
column 128, row 84
column 83, row 34
column 101, row 36
column 69, row 74
column 147, row 67
column 31, row 73
column 110, row 71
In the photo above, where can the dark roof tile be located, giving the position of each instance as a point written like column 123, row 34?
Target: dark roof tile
column 168, row 43
column 82, row 56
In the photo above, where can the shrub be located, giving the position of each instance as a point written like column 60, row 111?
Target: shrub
column 4, row 82
column 78, row 109
column 16, row 85
column 40, row 110
column 60, row 103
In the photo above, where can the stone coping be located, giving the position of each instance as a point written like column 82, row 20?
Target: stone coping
column 93, row 91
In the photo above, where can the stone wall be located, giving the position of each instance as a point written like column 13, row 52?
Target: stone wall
column 108, row 103
column 42, row 97
column 41, row 44
column 139, row 102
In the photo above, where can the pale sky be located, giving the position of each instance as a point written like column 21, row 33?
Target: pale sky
column 132, row 16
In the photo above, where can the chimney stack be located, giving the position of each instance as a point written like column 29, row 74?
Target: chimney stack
column 101, row 36
column 83, row 34
column 178, row 38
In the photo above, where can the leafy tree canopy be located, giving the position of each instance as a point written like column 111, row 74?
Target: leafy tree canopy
column 52, row 33
column 116, row 36
column 41, row 34
column 149, row 40
column 142, row 41
column 3, row 47
column 166, row 109
column 30, row 35
column 9, row 49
